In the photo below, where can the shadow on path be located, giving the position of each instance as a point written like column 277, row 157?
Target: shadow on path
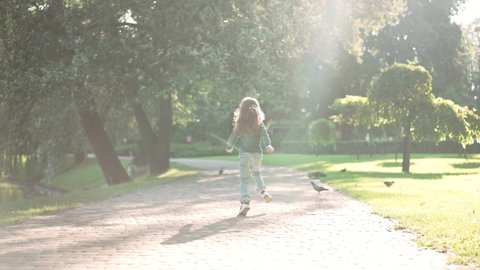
column 186, row 234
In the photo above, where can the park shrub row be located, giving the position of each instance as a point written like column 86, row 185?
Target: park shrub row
column 386, row 147
column 303, row 147
column 341, row 148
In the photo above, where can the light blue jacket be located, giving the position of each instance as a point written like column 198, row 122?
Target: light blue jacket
column 250, row 143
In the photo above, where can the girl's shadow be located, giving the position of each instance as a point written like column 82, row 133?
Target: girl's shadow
column 186, row 234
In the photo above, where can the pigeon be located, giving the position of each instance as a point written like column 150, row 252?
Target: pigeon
column 343, row 170
column 316, row 175
column 317, row 187
column 388, row 183
column 220, row 172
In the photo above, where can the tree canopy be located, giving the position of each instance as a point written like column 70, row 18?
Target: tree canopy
column 83, row 71
column 401, row 96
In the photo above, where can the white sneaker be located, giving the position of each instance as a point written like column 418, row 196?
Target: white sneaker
column 244, row 209
column 267, row 197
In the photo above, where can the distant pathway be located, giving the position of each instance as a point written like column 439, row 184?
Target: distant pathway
column 192, row 224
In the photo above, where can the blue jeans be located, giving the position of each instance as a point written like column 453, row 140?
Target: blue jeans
column 250, row 168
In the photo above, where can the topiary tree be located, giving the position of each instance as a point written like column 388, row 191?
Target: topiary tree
column 402, row 94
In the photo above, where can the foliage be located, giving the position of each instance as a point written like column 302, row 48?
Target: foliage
column 403, row 94
column 471, row 34
column 456, row 122
column 37, row 89
column 354, row 111
column 321, row 132
column 337, row 61
column 185, row 55
column 424, row 32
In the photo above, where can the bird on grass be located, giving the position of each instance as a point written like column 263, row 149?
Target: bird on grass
column 316, row 175
column 388, row 183
column 317, row 187
column 220, row 172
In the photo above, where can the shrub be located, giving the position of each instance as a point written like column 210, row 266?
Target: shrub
column 197, row 150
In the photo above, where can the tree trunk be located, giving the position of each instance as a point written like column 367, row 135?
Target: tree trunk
column 406, row 151
column 165, row 134
column 149, row 139
column 112, row 169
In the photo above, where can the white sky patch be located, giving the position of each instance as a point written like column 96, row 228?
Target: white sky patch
column 468, row 12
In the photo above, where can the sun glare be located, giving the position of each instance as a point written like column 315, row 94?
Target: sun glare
column 468, row 12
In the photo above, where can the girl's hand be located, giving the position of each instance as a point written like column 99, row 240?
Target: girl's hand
column 269, row 149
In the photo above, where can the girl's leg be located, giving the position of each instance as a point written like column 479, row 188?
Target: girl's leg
column 256, row 167
column 244, row 178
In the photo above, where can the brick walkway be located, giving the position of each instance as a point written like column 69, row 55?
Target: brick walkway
column 192, row 224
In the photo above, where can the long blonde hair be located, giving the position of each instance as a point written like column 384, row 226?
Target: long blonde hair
column 248, row 117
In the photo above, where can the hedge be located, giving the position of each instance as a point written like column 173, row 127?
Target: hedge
column 362, row 147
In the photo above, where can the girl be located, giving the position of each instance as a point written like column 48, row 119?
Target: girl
column 252, row 137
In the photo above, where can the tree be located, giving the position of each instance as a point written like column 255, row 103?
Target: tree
column 84, row 30
column 30, row 116
column 456, row 122
column 403, row 94
column 402, row 105
column 471, row 34
column 54, row 48
column 357, row 113
column 90, row 51
column 251, row 47
column 169, row 41
column 337, row 60
column 426, row 34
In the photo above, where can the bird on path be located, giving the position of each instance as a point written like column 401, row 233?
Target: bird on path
column 220, row 172
column 316, row 175
column 343, row 170
column 388, row 183
column 317, row 187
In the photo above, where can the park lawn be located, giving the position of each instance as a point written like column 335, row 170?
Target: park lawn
column 85, row 185
column 87, row 176
column 439, row 199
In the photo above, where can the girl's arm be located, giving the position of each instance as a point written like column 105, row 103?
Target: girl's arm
column 265, row 141
column 231, row 142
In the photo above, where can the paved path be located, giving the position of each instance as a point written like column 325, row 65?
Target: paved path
column 192, row 224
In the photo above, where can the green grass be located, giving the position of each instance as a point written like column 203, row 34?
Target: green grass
column 439, row 199
column 86, row 176
column 86, row 185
